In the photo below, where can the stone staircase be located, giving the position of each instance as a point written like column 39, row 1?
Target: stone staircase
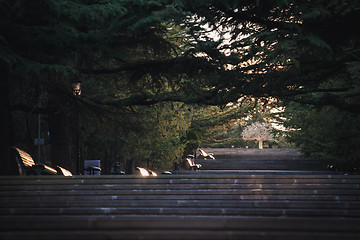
column 255, row 159
column 185, row 206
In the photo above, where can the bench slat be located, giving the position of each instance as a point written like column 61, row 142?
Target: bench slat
column 26, row 158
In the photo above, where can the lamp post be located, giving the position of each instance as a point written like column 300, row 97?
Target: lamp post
column 40, row 141
column 76, row 86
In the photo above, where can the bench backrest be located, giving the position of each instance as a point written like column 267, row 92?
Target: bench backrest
column 189, row 162
column 202, row 152
column 143, row 171
column 64, row 171
column 25, row 158
column 25, row 162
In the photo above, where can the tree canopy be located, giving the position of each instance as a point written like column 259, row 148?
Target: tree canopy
column 196, row 52
column 285, row 49
column 139, row 53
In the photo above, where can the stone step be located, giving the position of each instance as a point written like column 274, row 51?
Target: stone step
column 255, row 159
column 182, row 234
column 289, row 190
column 177, row 197
column 183, row 175
column 195, row 178
column 197, row 187
column 193, row 211
column 256, row 164
column 194, row 206
column 200, row 186
column 279, row 204
column 226, row 159
column 148, row 227
column 251, row 153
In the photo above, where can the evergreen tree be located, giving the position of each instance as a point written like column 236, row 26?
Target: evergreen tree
column 285, row 49
column 326, row 134
column 132, row 53
column 113, row 45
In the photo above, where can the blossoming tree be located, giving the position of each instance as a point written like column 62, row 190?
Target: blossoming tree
column 258, row 131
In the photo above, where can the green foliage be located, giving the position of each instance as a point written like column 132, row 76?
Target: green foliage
column 193, row 141
column 326, row 133
column 133, row 54
column 274, row 48
column 141, row 133
column 220, row 126
column 283, row 49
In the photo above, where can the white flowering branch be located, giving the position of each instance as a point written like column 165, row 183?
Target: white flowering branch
column 258, row 131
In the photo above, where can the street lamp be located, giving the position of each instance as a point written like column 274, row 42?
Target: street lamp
column 76, row 86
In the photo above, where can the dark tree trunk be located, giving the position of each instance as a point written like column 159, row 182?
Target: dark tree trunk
column 6, row 139
column 129, row 166
column 61, row 123
column 60, row 140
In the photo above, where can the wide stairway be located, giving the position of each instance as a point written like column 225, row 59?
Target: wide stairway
column 255, row 159
column 185, row 206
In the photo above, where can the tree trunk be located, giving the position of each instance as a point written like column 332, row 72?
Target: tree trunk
column 261, row 143
column 60, row 140
column 129, row 166
column 5, row 125
column 62, row 121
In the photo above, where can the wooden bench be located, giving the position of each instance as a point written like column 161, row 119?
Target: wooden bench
column 191, row 165
column 92, row 169
column 27, row 165
column 145, row 172
column 63, row 171
column 205, row 154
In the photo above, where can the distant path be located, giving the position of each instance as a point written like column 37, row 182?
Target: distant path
column 255, row 159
